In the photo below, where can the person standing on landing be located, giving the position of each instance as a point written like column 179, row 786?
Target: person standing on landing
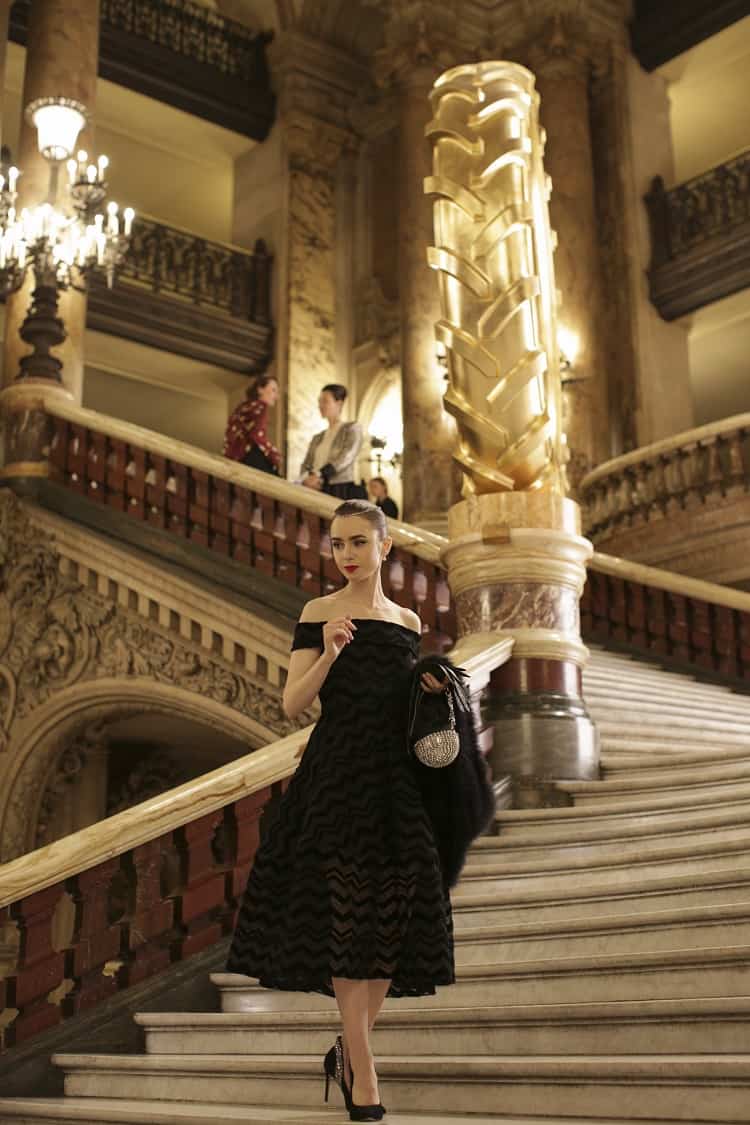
column 331, row 459
column 346, row 896
column 246, row 438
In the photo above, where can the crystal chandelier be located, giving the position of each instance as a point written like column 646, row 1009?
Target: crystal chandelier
column 62, row 241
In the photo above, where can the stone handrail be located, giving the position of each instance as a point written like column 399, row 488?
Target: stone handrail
column 479, row 655
column 683, row 471
column 424, row 544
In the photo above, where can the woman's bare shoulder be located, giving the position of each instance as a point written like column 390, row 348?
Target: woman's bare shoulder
column 317, row 609
column 409, row 618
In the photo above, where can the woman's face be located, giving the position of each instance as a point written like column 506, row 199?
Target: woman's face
column 329, row 407
column 269, row 393
column 357, row 548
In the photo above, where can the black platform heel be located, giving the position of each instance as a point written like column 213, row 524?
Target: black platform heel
column 333, row 1068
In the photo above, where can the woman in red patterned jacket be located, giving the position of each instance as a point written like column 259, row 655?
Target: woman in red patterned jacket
column 246, row 438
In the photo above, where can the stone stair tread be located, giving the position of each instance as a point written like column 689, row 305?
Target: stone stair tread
column 104, row 1110
column 459, row 1066
column 682, row 777
column 652, row 884
column 568, row 1011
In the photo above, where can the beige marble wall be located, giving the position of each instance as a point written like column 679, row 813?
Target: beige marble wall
column 310, row 296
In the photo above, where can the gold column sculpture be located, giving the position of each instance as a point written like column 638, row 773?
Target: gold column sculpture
column 516, row 559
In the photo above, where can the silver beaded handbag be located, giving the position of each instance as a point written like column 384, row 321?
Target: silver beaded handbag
column 440, row 747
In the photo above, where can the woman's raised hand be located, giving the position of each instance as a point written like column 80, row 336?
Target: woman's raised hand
column 336, row 635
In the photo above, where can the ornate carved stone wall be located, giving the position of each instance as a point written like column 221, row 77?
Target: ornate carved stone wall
column 64, row 646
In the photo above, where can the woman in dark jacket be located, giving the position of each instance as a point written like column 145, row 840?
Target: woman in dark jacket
column 246, row 438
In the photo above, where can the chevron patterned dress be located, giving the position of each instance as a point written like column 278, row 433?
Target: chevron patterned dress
column 347, row 882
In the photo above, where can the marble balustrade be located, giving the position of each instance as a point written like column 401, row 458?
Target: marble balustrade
column 281, row 529
column 653, row 483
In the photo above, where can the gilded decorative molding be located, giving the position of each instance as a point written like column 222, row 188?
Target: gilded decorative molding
column 493, row 253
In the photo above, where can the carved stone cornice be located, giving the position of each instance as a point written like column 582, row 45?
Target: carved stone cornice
column 316, row 86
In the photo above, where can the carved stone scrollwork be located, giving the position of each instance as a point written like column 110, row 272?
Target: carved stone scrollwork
column 55, row 634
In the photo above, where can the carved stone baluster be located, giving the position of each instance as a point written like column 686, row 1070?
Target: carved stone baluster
column 691, row 471
column 218, row 516
column 150, row 919
column 41, row 967
column 713, row 476
column 202, row 898
column 135, row 486
column 673, row 481
column 199, row 507
column 96, row 941
column 678, row 624
column 624, row 502
column 737, row 474
column 641, row 494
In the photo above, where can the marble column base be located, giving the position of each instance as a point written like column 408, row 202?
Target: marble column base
column 516, row 566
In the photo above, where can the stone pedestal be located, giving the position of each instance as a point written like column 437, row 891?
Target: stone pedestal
column 61, row 61
column 516, row 565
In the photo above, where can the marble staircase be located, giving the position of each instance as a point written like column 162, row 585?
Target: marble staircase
column 603, row 960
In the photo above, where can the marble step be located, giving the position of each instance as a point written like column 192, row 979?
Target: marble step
column 649, row 931
column 659, row 975
column 696, row 733
column 671, row 744
column 709, row 1087
column 716, row 1025
column 654, row 780
column 662, row 893
column 103, row 1111
column 514, row 857
column 657, row 718
column 602, row 822
column 619, row 764
column 675, row 691
column 488, row 878
column 706, row 793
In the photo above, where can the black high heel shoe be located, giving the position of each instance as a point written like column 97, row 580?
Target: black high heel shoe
column 364, row 1112
column 333, row 1068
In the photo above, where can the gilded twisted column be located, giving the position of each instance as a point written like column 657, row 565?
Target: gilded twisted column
column 516, row 559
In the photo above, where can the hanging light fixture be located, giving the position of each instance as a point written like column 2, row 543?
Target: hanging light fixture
column 62, row 243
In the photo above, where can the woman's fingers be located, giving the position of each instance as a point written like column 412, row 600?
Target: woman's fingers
column 430, row 683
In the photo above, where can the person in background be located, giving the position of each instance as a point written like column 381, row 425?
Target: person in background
column 378, row 490
column 331, row 456
column 246, row 438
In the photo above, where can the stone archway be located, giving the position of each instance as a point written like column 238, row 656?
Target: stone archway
column 80, row 714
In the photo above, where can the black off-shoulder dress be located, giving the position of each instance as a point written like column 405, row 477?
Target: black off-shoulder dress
column 348, row 881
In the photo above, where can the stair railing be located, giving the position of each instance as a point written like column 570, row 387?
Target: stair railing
column 100, row 910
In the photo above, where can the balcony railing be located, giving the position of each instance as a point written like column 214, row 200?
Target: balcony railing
column 281, row 530
column 680, row 474
column 700, row 238
column 184, row 54
column 278, row 529
column 173, row 288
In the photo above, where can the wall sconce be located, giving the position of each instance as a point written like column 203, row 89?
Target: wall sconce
column 569, row 346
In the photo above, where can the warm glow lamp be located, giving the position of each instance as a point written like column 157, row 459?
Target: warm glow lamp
column 57, row 121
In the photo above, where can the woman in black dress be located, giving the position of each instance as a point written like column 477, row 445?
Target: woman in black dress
column 346, row 896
